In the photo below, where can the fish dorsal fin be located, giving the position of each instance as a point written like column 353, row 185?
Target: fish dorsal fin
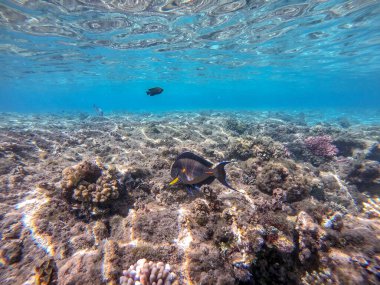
column 190, row 155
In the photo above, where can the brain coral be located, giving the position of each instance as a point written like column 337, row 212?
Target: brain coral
column 148, row 273
column 87, row 182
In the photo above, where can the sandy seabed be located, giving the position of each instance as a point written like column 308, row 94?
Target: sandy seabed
column 84, row 198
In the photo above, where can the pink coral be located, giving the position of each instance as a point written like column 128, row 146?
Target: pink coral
column 321, row 146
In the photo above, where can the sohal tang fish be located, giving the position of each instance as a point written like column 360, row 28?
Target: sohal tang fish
column 191, row 169
column 154, row 91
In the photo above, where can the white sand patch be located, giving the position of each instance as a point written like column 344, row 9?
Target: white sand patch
column 34, row 201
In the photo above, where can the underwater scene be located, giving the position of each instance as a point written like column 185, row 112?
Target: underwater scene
column 189, row 142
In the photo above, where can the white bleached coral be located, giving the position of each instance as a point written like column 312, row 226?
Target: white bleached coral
column 145, row 272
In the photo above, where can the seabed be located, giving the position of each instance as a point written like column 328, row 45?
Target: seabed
column 303, row 214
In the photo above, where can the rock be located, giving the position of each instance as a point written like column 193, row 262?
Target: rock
column 285, row 175
column 45, row 273
column 311, row 238
column 11, row 252
column 76, row 269
column 374, row 152
column 365, row 176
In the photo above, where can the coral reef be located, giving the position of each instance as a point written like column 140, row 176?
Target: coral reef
column 85, row 197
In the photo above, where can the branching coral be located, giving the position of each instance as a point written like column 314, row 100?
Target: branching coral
column 321, row 146
column 148, row 273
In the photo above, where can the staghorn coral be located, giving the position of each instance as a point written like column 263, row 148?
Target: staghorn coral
column 145, row 272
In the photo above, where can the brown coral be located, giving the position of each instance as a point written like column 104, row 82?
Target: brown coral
column 87, row 182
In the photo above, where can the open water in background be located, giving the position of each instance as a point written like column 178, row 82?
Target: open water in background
column 207, row 54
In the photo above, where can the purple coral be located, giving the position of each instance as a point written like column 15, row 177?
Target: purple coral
column 321, row 146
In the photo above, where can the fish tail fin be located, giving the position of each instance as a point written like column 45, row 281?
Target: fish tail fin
column 220, row 173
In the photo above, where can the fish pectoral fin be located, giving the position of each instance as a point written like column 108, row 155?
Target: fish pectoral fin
column 174, row 181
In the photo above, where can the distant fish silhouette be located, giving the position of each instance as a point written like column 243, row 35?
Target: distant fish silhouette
column 191, row 169
column 98, row 111
column 154, row 91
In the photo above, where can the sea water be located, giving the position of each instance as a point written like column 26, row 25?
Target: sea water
column 69, row 55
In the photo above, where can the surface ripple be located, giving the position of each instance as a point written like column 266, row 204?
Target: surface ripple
column 327, row 35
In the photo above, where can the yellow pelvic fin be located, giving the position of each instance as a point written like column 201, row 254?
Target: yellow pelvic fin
column 175, row 180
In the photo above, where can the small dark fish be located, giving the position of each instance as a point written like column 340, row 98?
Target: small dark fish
column 191, row 169
column 154, row 91
column 98, row 111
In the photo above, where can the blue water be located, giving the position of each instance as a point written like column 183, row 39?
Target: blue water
column 68, row 55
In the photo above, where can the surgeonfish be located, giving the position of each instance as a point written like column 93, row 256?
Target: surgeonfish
column 154, row 91
column 191, row 169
